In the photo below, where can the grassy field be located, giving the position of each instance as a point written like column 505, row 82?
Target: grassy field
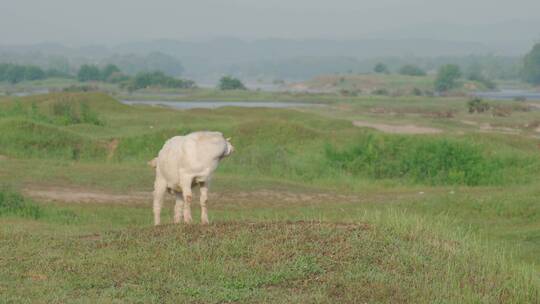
column 309, row 208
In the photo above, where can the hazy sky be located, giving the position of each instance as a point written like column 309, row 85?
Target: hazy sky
column 117, row 21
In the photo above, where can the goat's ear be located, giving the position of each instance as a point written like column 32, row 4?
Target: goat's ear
column 228, row 139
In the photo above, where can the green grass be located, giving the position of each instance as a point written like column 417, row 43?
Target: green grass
column 13, row 203
column 446, row 218
column 105, row 253
column 429, row 160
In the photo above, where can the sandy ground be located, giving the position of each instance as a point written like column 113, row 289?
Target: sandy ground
column 397, row 129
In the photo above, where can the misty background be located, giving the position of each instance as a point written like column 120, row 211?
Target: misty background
column 263, row 40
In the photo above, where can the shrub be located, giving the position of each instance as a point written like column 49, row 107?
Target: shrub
column 381, row 68
column 107, row 71
column 88, row 73
column 447, row 77
column 34, row 73
column 381, row 91
column 65, row 113
column 416, row 92
column 346, row 93
column 230, row 83
column 158, row 79
column 411, row 70
column 80, row 88
column 431, row 161
column 477, row 105
column 531, row 66
column 13, row 203
column 89, row 116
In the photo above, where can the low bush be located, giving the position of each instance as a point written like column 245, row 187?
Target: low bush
column 13, row 203
column 477, row 105
column 422, row 160
column 380, row 92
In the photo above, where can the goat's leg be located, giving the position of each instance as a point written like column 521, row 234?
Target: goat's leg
column 160, row 186
column 203, row 200
column 178, row 206
column 188, row 197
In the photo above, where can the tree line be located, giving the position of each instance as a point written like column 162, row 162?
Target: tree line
column 449, row 74
column 112, row 74
column 15, row 73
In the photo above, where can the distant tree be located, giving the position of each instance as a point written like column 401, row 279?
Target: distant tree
column 109, row 70
column 411, row 70
column 531, row 66
column 32, row 72
column 55, row 73
column 381, row 68
column 15, row 73
column 157, row 61
column 132, row 64
column 158, row 78
column 3, row 71
column 475, row 73
column 230, row 83
column 117, row 77
column 447, row 77
column 88, row 73
column 59, row 63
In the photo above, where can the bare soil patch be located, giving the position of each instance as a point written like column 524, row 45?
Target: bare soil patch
column 71, row 195
column 397, row 129
column 485, row 127
column 240, row 198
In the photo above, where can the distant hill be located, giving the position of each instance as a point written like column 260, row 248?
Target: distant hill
column 207, row 60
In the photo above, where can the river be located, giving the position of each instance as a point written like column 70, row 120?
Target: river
column 183, row 105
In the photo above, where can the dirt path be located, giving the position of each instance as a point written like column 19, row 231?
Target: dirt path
column 79, row 195
column 397, row 129
column 69, row 195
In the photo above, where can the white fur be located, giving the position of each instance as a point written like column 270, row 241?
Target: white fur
column 185, row 161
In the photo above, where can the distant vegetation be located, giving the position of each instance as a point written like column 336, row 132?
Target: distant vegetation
column 411, row 70
column 15, row 73
column 531, row 66
column 88, row 73
column 477, row 105
column 156, row 61
column 381, row 68
column 447, row 77
column 422, row 160
column 475, row 73
column 230, row 83
column 112, row 74
column 157, row 79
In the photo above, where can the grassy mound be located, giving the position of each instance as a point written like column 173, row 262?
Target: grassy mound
column 62, row 109
column 28, row 138
column 279, row 262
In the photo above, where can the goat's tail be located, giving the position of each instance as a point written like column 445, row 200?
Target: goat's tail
column 153, row 163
